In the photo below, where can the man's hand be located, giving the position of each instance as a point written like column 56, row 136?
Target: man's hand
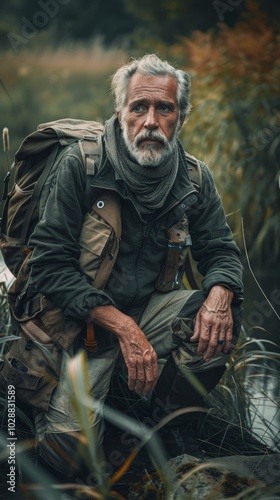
column 141, row 361
column 213, row 324
column 139, row 356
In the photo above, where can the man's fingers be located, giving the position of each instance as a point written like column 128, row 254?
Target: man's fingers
column 204, row 337
column 151, row 375
column 132, row 377
column 147, row 377
column 143, row 376
column 140, row 377
column 228, row 339
column 196, row 330
column 211, row 348
column 141, row 361
column 212, row 332
column 219, row 341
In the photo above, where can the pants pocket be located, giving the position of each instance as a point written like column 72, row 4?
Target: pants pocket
column 32, row 366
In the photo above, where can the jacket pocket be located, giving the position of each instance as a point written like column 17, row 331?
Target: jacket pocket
column 95, row 237
column 32, row 366
column 16, row 373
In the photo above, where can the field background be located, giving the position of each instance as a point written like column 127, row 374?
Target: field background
column 56, row 62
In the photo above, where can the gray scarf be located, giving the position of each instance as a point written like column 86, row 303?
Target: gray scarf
column 149, row 187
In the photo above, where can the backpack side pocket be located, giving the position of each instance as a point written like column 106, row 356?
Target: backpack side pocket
column 32, row 366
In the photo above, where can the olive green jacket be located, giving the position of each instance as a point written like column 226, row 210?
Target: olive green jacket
column 107, row 255
column 57, row 261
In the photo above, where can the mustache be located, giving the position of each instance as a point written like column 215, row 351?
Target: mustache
column 151, row 135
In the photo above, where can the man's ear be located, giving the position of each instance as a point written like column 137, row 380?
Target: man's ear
column 119, row 118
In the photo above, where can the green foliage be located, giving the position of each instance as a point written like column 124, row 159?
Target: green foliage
column 64, row 22
column 168, row 20
column 235, row 122
column 52, row 22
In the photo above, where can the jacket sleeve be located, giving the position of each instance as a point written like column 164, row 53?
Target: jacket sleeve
column 213, row 246
column 55, row 269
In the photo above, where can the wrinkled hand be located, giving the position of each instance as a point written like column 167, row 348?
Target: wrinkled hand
column 139, row 356
column 141, row 361
column 214, row 323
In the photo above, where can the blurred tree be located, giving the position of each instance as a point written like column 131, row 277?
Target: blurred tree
column 235, row 123
column 65, row 21
column 115, row 21
column 168, row 20
column 103, row 18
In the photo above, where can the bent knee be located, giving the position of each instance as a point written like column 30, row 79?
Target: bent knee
column 65, row 453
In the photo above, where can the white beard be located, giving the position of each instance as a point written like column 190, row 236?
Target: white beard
column 149, row 155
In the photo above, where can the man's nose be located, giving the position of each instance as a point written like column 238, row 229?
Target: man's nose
column 151, row 119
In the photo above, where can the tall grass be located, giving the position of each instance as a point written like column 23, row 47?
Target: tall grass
column 248, row 394
column 238, row 404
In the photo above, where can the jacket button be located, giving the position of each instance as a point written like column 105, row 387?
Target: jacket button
column 28, row 345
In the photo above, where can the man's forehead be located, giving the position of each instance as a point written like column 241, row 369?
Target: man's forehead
column 162, row 86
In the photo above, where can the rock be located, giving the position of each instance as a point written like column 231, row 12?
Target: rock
column 218, row 478
column 263, row 467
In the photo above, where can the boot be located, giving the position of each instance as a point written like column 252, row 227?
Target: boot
column 173, row 392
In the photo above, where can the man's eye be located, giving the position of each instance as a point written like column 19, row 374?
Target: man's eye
column 138, row 108
column 164, row 108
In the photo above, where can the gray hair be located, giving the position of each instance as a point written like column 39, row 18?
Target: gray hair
column 151, row 65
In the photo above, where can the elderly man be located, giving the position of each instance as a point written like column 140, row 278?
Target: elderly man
column 142, row 313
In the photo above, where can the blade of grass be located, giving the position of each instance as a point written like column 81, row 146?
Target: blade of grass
column 77, row 371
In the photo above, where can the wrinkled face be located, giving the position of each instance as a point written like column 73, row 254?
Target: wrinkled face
column 150, row 119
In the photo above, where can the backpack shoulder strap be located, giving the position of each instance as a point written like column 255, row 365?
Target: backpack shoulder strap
column 91, row 149
column 195, row 174
column 194, row 170
column 92, row 152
